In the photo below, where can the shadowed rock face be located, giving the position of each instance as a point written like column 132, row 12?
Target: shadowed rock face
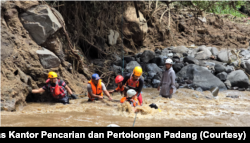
column 201, row 77
column 238, row 78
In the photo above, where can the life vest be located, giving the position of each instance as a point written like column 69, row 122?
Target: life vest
column 132, row 83
column 96, row 90
column 57, row 91
column 135, row 102
column 119, row 88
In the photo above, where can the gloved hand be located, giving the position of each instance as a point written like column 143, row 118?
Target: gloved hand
column 74, row 96
column 30, row 89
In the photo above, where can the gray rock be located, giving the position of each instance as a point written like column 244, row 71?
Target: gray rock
column 155, row 83
column 191, row 60
column 238, row 78
column 138, row 60
column 223, row 56
column 228, row 84
column 159, row 60
column 177, row 67
column 203, row 53
column 219, row 68
column 116, row 69
column 158, row 52
column 233, row 96
column 229, row 69
column 245, row 52
column 222, row 76
column 165, row 52
column 112, row 37
column 131, row 65
column 199, row 89
column 117, row 57
column 180, row 49
column 201, row 77
column 48, row 59
column 152, row 67
column 40, row 22
column 147, row 55
column 247, row 66
column 98, row 62
column 177, row 55
column 129, row 59
column 215, row 51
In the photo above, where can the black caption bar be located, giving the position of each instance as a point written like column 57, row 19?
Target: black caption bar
column 142, row 133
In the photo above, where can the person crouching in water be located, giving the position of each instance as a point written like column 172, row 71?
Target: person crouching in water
column 167, row 83
column 118, row 81
column 96, row 88
column 132, row 99
column 134, row 81
column 57, row 88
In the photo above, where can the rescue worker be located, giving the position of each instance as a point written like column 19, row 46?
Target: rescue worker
column 96, row 88
column 57, row 88
column 118, row 81
column 131, row 98
column 134, row 81
column 167, row 83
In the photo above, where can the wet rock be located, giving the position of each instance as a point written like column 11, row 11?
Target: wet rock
column 152, row 68
column 233, row 96
column 129, row 59
column 241, row 89
column 177, row 67
column 199, row 89
column 222, row 76
column 112, row 37
column 159, row 60
column 131, row 65
column 219, row 68
column 201, row 77
column 40, row 22
column 48, row 59
column 180, row 49
column 215, row 51
column 147, row 55
column 134, row 27
column 228, row 84
column 234, row 88
column 223, row 56
column 238, row 78
column 155, row 83
column 191, row 60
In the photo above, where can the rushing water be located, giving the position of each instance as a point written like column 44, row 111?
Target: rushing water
column 186, row 108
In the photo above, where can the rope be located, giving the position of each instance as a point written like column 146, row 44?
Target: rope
column 135, row 118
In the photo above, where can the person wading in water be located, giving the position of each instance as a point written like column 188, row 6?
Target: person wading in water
column 57, row 88
column 167, row 83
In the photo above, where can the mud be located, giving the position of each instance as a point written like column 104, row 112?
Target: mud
column 186, row 108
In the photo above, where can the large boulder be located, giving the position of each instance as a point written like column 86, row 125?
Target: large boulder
column 112, row 37
column 201, row 77
column 223, row 56
column 129, row 59
column 48, row 59
column 134, row 27
column 131, row 65
column 116, row 69
column 238, row 79
column 190, row 60
column 180, row 49
column 165, row 52
column 147, row 55
column 246, row 65
column 40, row 22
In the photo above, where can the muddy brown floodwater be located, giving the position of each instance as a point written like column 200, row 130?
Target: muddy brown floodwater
column 186, row 108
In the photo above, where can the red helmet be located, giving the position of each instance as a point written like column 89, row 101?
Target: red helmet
column 118, row 79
